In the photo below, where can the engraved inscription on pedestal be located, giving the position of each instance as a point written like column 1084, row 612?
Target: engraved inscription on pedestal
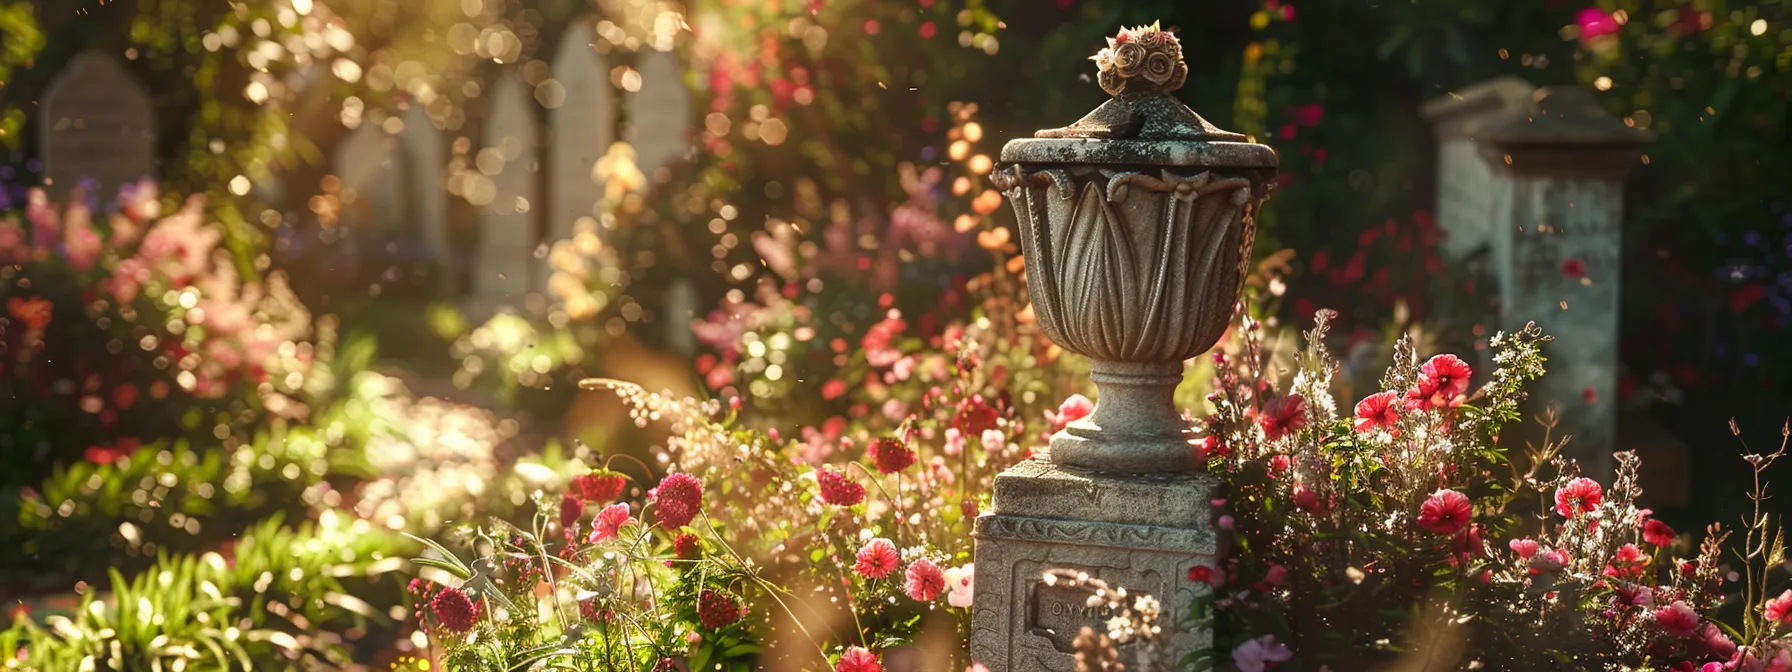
column 1059, row 612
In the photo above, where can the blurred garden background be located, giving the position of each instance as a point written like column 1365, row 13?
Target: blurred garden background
column 285, row 279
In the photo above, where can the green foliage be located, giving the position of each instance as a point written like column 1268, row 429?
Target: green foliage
column 263, row 606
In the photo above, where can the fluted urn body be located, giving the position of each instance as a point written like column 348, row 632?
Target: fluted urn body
column 1136, row 224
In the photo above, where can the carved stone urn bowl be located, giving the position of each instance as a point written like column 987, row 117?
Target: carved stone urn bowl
column 1136, row 224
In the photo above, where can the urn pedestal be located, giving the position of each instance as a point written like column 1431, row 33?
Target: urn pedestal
column 1136, row 224
column 1137, row 531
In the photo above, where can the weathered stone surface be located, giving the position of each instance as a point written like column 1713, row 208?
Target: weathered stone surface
column 1140, row 532
column 1138, row 269
column 1558, row 229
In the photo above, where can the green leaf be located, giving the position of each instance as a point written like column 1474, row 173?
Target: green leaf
column 455, row 566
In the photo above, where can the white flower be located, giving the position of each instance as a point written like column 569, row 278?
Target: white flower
column 961, row 582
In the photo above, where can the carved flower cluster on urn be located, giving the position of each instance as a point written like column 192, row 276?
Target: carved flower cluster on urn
column 1142, row 58
column 1136, row 223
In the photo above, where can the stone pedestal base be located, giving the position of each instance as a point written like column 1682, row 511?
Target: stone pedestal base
column 1139, row 532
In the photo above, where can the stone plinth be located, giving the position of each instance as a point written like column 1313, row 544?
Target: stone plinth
column 1142, row 532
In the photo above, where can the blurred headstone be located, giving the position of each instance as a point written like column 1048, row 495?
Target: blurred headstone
column 422, row 142
column 1465, row 181
column 583, row 126
column 680, row 308
column 505, row 253
column 373, row 183
column 659, row 114
column 98, row 127
column 1557, row 215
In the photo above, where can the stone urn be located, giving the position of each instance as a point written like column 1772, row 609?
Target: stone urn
column 1136, row 223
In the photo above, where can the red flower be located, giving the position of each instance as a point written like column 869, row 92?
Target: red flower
column 1279, row 465
column 34, row 312
column 857, row 659
column 1200, row 573
column 1658, row 533
column 1573, row 268
column 1677, row 619
column 891, row 456
column 1283, row 416
column 1446, row 512
column 717, row 610
column 877, row 559
column 571, row 509
column 454, row 610
column 837, row 490
column 974, row 415
column 686, row 546
column 600, row 486
column 1307, row 500
column 609, row 522
column 1580, row 495
column 1443, row 380
column 679, row 497
column 924, row 581
column 1377, row 410
column 1524, row 548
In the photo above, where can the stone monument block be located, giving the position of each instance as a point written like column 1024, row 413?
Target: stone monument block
column 1141, row 533
column 1558, row 218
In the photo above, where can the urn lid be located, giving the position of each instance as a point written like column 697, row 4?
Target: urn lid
column 1142, row 124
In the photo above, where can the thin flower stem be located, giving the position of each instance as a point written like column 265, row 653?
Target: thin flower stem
column 770, row 589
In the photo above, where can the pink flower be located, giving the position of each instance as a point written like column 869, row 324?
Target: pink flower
column 1524, row 548
column 857, row 659
column 961, row 585
column 994, row 440
column 1255, row 655
column 1580, row 495
column 1715, row 641
column 1276, row 576
column 1595, row 22
column 454, row 610
column 609, row 522
column 1446, row 512
column 1283, row 416
column 1779, row 609
column 1658, row 533
column 954, row 442
column 1677, row 619
column 680, row 498
column 924, row 581
column 1074, row 408
column 836, row 489
column 1377, row 411
column 876, row 559
column 890, row 455
column 1443, row 380
column 1549, row 561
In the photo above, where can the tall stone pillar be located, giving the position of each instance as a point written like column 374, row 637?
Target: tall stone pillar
column 1136, row 224
column 1557, row 212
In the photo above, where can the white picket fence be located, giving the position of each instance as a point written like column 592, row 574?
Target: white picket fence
column 98, row 128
